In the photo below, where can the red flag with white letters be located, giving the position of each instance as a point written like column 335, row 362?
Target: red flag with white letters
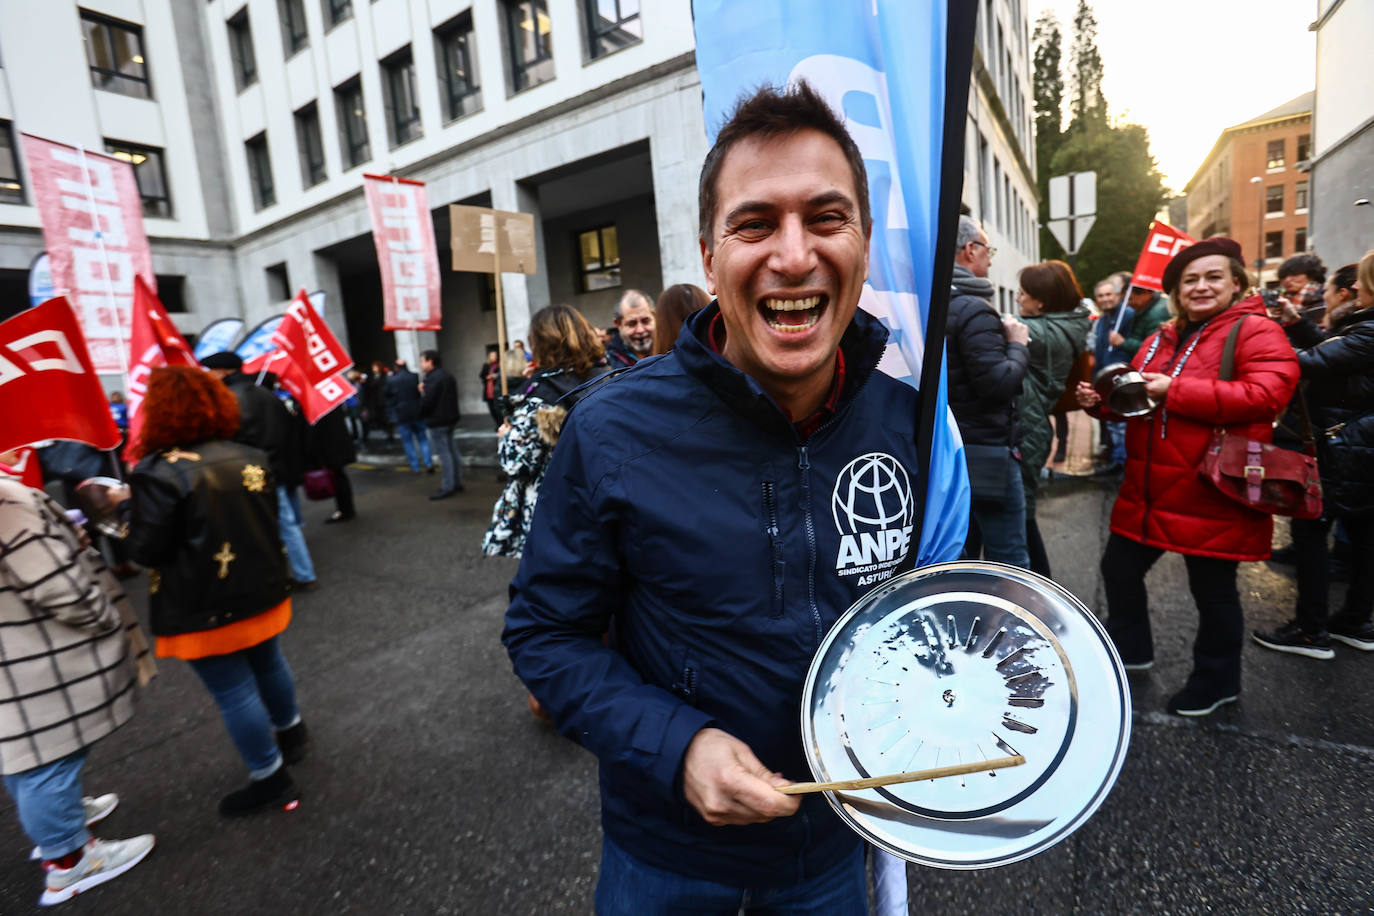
column 48, row 385
column 1161, row 244
column 407, row 255
column 25, row 467
column 154, row 342
column 310, row 344
column 92, row 218
column 316, row 399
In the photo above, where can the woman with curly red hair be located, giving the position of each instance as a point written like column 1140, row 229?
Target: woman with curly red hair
column 204, row 522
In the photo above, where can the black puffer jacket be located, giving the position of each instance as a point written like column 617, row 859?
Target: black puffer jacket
column 204, row 522
column 985, row 369
column 265, row 423
column 1339, row 377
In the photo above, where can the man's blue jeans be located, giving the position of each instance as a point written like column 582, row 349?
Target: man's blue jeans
column 255, row 693
column 441, row 439
column 293, row 538
column 49, row 801
column 1002, row 524
column 416, row 444
column 629, row 887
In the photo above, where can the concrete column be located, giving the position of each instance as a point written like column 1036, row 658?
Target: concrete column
column 327, row 279
column 524, row 294
column 677, row 150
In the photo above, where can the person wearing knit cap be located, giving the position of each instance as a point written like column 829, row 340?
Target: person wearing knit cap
column 1165, row 504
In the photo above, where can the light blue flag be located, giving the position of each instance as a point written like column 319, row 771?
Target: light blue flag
column 881, row 64
column 217, row 336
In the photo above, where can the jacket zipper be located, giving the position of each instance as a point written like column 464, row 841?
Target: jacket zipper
column 804, row 465
column 770, row 505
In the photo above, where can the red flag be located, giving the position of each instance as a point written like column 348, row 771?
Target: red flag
column 25, row 467
column 406, row 253
column 310, row 344
column 48, row 387
column 318, row 399
column 154, row 342
column 92, row 219
column 268, row 360
column 1161, row 244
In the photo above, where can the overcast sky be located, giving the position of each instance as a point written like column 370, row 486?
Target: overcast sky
column 1188, row 69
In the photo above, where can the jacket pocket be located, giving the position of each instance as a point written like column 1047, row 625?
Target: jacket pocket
column 775, row 560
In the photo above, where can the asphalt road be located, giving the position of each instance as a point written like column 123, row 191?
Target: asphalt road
column 430, row 789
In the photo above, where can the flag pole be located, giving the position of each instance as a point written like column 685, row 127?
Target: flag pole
column 959, row 35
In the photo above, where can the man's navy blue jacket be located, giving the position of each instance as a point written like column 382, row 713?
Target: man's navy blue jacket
column 682, row 512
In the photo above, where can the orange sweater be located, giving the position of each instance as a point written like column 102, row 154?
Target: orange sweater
column 232, row 637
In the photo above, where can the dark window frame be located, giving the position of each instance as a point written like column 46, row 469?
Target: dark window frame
column 537, row 70
column 116, row 80
column 337, row 12
column 601, row 267
column 12, row 190
column 260, row 171
column 1273, row 199
column 600, row 31
column 398, row 82
column 1301, row 192
column 1300, row 239
column 278, row 280
column 356, row 149
column 1273, row 245
column 456, row 38
column 160, row 207
column 1304, row 144
column 310, row 145
column 245, row 60
column 1272, row 161
column 295, row 31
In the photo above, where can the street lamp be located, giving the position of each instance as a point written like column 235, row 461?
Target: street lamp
column 1259, row 231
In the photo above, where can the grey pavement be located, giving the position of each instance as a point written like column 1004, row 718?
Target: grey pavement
column 430, row 789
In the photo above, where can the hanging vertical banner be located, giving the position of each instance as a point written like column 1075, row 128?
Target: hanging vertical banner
column 154, row 342
column 897, row 72
column 92, row 218
column 406, row 253
column 48, row 387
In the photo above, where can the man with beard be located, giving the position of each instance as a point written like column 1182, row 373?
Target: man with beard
column 634, row 318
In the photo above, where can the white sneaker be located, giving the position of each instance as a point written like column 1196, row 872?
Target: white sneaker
column 97, row 809
column 100, row 861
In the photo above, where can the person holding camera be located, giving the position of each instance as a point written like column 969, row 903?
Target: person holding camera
column 569, row 353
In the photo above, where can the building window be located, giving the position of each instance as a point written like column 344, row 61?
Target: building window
column 11, row 185
column 348, row 100
column 531, row 44
column 149, row 173
column 1300, row 198
column 1304, row 147
column 241, row 50
column 984, row 199
column 260, row 172
column 454, row 48
column 278, row 284
column 1300, row 239
column 1273, row 245
column 598, row 258
column 114, row 51
column 293, row 32
column 310, row 146
column 402, row 103
column 171, row 292
column 1274, row 154
column 1273, row 200
column 612, row 25
column 337, row 11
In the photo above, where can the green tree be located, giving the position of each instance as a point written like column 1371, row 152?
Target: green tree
column 1130, row 191
column 1089, row 108
column 1047, row 87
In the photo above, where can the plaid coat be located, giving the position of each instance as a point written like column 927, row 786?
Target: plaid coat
column 67, row 669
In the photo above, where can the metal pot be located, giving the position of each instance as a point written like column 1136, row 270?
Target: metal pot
column 1122, row 390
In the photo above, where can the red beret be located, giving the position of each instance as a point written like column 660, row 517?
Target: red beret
column 1217, row 244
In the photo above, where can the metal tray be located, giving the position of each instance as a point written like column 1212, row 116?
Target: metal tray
column 959, row 662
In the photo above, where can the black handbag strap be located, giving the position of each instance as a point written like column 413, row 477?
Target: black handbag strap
column 1228, row 368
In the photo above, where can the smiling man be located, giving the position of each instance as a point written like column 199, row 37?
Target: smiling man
column 717, row 509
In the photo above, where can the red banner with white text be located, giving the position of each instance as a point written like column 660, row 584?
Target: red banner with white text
column 92, row 218
column 309, row 342
column 154, row 342
column 48, row 386
column 1161, row 244
column 403, row 232
column 316, row 399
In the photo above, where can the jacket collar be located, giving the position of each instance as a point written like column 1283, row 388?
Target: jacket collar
column 863, row 342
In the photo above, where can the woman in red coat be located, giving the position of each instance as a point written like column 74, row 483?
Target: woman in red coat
column 1165, row 503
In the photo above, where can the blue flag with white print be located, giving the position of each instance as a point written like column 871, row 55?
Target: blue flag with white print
column 897, row 71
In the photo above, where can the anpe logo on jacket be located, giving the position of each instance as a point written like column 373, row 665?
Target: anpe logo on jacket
column 873, row 513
